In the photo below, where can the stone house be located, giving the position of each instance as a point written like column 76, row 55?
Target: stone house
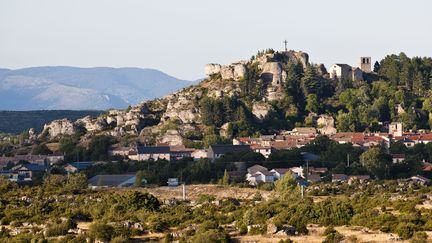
column 339, row 72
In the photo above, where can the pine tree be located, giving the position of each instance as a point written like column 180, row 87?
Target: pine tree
column 225, row 178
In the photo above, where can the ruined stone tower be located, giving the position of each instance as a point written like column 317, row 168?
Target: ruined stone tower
column 365, row 64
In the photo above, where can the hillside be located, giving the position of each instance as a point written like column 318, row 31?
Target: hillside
column 72, row 88
column 272, row 92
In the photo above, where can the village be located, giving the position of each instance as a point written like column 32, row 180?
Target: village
column 23, row 168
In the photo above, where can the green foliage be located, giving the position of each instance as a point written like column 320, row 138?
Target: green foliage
column 101, row 231
column 41, row 149
column 377, row 162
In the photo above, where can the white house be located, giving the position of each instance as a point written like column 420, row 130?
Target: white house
column 260, row 177
column 154, row 153
column 279, row 172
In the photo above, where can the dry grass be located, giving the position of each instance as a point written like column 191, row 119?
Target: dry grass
column 194, row 191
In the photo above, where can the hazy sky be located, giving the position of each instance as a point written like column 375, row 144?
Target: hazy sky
column 180, row 36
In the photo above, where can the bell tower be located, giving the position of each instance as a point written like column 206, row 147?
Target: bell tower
column 366, row 64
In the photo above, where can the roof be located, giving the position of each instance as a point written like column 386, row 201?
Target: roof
column 266, row 173
column 398, row 156
column 256, row 168
column 314, row 177
column 81, row 165
column 342, row 65
column 339, row 177
column 32, row 167
column 281, row 170
column 109, row 180
column 153, row 150
column 226, row 148
column 305, row 129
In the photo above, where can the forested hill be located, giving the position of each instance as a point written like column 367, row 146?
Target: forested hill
column 19, row 121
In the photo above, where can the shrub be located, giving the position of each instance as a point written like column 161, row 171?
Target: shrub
column 101, row 231
column 419, row 237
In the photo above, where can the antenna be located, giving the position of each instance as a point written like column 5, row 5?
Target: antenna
column 286, row 45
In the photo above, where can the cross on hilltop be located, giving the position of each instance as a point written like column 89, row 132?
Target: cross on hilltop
column 286, row 45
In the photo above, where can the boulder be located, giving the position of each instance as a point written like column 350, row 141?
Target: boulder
column 227, row 72
column 271, row 228
column 212, row 68
column 239, row 71
column 172, row 137
column 57, row 128
column 261, row 110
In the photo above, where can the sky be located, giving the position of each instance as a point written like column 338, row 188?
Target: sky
column 180, row 37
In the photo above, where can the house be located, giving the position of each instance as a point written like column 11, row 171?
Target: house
column 253, row 169
column 179, row 152
column 153, row 153
column 297, row 171
column 260, row 177
column 173, row 182
column 279, row 172
column 313, row 178
column 123, row 180
column 199, row 154
column 340, row 71
column 76, row 167
column 317, row 170
column 398, row 158
column 420, row 179
column 216, row 151
column 120, row 151
column 308, row 131
column 54, row 158
column 396, row 129
column 264, row 150
column 11, row 175
column 339, row 178
column 27, row 172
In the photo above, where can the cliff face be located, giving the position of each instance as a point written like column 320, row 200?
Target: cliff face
column 170, row 118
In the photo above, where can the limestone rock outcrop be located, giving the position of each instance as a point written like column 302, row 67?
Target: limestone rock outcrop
column 261, row 110
column 58, row 128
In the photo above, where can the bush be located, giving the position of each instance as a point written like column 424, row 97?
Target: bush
column 419, row 237
column 405, row 230
column 101, row 231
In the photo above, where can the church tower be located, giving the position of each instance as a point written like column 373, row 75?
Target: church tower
column 366, row 64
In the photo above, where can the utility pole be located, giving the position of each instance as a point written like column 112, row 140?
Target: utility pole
column 286, row 45
column 348, row 159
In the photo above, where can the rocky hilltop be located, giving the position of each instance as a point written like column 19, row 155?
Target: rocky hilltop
column 254, row 85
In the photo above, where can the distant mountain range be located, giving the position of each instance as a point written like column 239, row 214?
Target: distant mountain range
column 72, row 88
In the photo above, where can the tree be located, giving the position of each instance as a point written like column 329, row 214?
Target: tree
column 139, row 176
column 98, row 147
column 225, row 178
column 287, row 184
column 101, row 231
column 312, row 103
column 376, row 162
column 41, row 149
column 376, row 67
column 310, row 81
